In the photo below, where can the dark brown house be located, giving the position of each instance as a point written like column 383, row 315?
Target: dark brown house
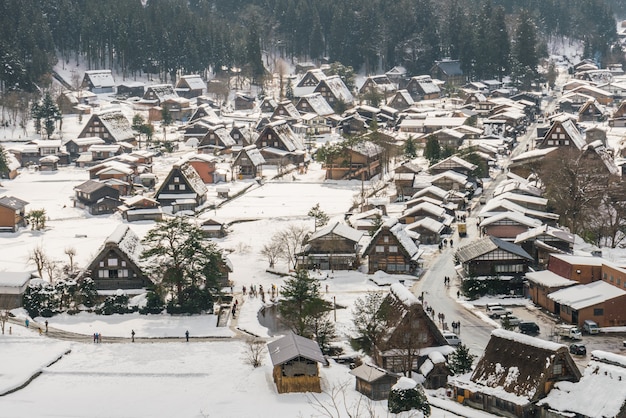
column 374, row 382
column 182, row 189
column 112, row 126
column 514, row 373
column 141, row 208
column 279, row 145
column 116, row 266
column 407, row 331
column 361, row 161
column 392, row 250
column 295, row 360
column 491, row 256
column 248, row 163
column 97, row 197
column 333, row 247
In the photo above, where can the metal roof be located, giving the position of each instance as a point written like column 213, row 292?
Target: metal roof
column 292, row 346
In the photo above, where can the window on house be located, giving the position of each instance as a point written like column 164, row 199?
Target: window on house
column 171, row 187
column 112, row 262
column 113, row 274
column 598, row 312
column 182, row 187
column 393, row 248
column 176, row 179
column 557, row 369
column 101, row 264
column 385, row 239
column 380, row 248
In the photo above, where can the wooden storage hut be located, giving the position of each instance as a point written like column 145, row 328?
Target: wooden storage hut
column 295, row 360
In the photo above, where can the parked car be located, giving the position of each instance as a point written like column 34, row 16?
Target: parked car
column 451, row 338
column 512, row 320
column 578, row 349
column 568, row 331
column 528, row 327
column 590, row 327
column 497, row 311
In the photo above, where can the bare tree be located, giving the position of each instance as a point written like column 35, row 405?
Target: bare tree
column 39, row 258
column 255, row 349
column 71, row 253
column 334, row 404
column 292, row 240
column 272, row 250
column 51, row 268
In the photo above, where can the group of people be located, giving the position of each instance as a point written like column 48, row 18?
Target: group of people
column 444, row 243
column 97, row 337
column 456, row 326
column 255, row 291
column 446, row 281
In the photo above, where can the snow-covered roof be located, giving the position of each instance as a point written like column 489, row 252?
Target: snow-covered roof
column 545, row 230
column 512, row 216
column 370, row 373
column 100, row 78
column 14, row 278
column 407, row 243
column 586, row 295
column 486, row 245
column 404, row 295
column 339, row 229
column 549, row 279
column 601, row 391
column 127, row 241
column 291, row 346
column 338, row 88
column 12, row 202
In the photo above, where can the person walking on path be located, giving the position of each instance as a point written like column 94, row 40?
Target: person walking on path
column 46, row 326
column 27, row 322
column 187, row 335
column 132, row 335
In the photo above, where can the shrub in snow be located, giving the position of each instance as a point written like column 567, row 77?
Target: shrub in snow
column 115, row 304
column 407, row 395
column 154, row 304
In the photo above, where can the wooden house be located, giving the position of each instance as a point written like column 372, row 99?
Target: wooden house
column 12, row 213
column 10, row 170
column 429, row 230
column 361, row 161
column 539, row 284
column 131, row 89
column 268, row 105
column 182, row 189
column 378, row 83
column 425, row 210
column 248, row 164
column 408, row 333
column 78, row 146
column 98, row 81
column 591, row 111
column 285, row 110
column 448, row 71
column 116, row 265
column 333, row 247
column 454, row 163
column 599, row 301
column 314, row 103
column 491, row 256
column 506, row 383
column 217, row 140
column 178, row 107
column 157, row 94
column 13, row 286
column 204, row 112
column 49, row 163
column 112, row 126
column 600, row 392
column 279, row 145
column 311, row 78
column 213, row 229
column 582, row 269
column 507, row 225
column 401, row 100
column 75, row 102
column 141, row 208
column 422, row 87
column 244, row 101
column 242, row 134
column 205, row 166
column 97, row 197
column 544, row 240
column 618, row 118
column 296, row 364
column 374, row 382
column 190, row 86
column 334, row 90
column 392, row 250
column 368, row 220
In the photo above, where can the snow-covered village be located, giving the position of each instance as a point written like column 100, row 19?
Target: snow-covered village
column 319, row 241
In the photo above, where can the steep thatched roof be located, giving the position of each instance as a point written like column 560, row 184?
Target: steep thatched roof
column 516, row 367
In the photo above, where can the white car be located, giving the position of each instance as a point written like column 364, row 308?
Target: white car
column 511, row 319
column 451, row 338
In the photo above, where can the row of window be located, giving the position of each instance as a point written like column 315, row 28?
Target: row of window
column 113, row 262
column 113, row 274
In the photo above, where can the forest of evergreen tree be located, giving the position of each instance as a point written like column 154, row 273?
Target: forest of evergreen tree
column 168, row 37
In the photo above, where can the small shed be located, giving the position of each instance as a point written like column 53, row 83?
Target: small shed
column 295, row 360
column 374, row 382
column 13, row 285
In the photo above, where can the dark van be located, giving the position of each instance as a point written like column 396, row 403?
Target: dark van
column 527, row 327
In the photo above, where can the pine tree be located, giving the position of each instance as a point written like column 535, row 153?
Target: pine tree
column 4, row 164
column 461, row 360
column 321, row 218
column 301, row 301
column 48, row 112
column 432, row 151
column 410, row 150
column 180, row 259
